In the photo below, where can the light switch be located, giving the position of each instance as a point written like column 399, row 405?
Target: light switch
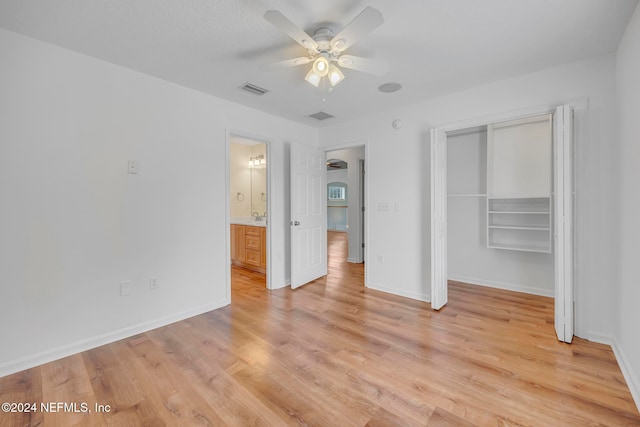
column 126, row 288
column 132, row 166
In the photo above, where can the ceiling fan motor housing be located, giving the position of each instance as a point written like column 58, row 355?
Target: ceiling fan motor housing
column 323, row 36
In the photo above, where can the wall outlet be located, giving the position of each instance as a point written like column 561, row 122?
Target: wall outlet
column 153, row 283
column 380, row 259
column 126, row 288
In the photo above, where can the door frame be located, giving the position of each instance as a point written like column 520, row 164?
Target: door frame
column 363, row 231
column 262, row 140
column 580, row 106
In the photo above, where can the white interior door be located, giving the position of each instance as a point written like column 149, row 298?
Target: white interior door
column 439, row 293
column 563, row 221
column 308, row 215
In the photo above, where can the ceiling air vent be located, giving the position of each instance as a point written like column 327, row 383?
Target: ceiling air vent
column 251, row 88
column 321, row 116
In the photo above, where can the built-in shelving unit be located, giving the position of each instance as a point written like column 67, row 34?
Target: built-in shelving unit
column 467, row 195
column 519, row 185
column 521, row 224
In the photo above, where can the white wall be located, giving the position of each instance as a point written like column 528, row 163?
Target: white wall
column 338, row 175
column 354, row 232
column 469, row 259
column 74, row 223
column 398, row 246
column 240, row 196
column 626, row 228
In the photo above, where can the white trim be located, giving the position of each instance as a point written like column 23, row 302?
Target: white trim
column 286, row 283
column 502, row 285
column 575, row 103
column 601, row 338
column 632, row 379
column 399, row 292
column 37, row 359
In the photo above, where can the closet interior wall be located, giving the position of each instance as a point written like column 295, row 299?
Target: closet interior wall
column 469, row 259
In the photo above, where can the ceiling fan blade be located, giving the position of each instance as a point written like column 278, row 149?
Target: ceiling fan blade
column 368, row 20
column 289, row 28
column 365, row 65
column 291, row 62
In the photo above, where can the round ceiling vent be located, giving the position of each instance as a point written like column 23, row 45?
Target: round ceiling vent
column 390, row 87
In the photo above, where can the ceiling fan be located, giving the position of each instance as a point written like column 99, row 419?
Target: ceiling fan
column 336, row 164
column 326, row 50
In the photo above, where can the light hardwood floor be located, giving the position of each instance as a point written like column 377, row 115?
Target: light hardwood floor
column 333, row 353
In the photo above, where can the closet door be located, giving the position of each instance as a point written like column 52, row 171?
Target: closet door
column 563, row 221
column 439, row 287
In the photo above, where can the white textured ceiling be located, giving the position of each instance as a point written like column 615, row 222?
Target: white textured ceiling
column 433, row 46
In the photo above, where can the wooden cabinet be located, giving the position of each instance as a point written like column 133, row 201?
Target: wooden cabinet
column 263, row 254
column 248, row 247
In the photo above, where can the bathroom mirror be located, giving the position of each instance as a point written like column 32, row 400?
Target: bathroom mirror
column 259, row 191
column 248, row 179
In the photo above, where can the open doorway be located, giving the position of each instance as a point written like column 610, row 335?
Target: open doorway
column 345, row 209
column 248, row 204
column 309, row 223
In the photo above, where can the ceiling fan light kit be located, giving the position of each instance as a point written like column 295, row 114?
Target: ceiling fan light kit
column 326, row 50
column 321, row 66
column 335, row 75
column 313, row 78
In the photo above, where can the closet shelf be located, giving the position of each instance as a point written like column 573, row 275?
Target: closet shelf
column 466, row 195
column 513, row 227
column 523, row 248
column 521, row 212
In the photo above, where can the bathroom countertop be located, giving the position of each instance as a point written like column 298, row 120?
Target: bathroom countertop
column 249, row 221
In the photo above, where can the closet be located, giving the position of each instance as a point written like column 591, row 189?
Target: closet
column 519, row 184
column 499, row 216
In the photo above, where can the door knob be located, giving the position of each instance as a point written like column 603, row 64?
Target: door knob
column 295, row 223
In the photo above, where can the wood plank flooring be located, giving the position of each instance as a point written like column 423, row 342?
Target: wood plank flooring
column 333, row 353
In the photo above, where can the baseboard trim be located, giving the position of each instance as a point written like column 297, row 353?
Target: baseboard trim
column 502, row 285
column 601, row 338
column 31, row 361
column 631, row 377
column 399, row 292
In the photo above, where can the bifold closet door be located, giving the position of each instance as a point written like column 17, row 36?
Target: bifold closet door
column 563, row 220
column 439, row 289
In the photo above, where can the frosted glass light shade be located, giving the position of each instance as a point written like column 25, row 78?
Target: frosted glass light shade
column 313, row 78
column 335, row 75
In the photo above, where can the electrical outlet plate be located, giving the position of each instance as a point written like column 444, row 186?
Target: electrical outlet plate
column 153, row 283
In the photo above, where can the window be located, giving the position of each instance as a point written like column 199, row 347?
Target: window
column 337, row 193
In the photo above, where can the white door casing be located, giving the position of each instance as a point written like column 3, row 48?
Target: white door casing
column 439, row 290
column 308, row 214
column 563, row 221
